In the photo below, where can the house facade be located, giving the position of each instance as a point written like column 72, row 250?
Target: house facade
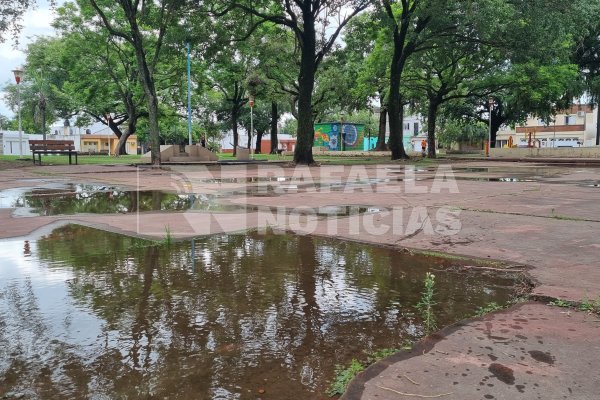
column 105, row 144
column 86, row 143
column 285, row 142
column 412, row 131
column 574, row 127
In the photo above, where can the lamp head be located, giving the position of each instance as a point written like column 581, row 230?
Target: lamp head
column 18, row 75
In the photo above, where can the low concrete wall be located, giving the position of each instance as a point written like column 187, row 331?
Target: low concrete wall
column 170, row 153
column 558, row 152
column 242, row 154
column 200, row 153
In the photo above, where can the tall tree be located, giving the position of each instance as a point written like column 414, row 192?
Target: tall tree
column 310, row 21
column 451, row 70
column 368, row 51
column 144, row 26
column 414, row 24
column 277, row 62
column 587, row 57
column 102, row 79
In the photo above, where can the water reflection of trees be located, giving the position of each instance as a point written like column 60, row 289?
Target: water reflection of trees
column 276, row 311
column 79, row 199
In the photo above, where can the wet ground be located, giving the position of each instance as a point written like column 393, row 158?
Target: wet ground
column 90, row 313
column 539, row 218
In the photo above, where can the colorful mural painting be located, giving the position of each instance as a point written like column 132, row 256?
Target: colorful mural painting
column 336, row 136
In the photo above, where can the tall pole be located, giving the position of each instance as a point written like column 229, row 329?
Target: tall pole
column 18, row 77
column 189, row 93
column 20, row 123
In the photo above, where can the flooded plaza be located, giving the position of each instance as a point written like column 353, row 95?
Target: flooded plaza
column 92, row 314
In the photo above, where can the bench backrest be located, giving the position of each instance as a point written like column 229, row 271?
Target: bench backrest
column 51, row 145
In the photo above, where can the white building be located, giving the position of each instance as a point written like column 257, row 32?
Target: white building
column 285, row 142
column 9, row 143
column 574, row 127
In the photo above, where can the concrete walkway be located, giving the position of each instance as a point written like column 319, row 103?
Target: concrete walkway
column 545, row 220
column 528, row 352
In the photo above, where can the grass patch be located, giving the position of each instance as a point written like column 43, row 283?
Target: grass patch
column 561, row 303
column 343, row 375
column 590, row 305
column 586, row 304
column 82, row 159
column 488, row 308
column 168, row 238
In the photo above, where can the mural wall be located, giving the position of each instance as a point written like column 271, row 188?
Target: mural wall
column 336, row 136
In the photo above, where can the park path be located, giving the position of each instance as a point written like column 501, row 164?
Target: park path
column 541, row 219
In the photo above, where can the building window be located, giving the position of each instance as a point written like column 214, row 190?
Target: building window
column 570, row 120
column 407, row 126
column 416, row 128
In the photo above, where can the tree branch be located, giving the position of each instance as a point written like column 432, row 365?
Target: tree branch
column 108, row 25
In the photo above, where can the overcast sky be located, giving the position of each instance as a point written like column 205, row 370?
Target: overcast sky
column 36, row 22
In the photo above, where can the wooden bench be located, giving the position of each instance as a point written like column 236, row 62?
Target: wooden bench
column 39, row 147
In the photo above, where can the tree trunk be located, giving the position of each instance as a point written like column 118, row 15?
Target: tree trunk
column 132, row 119
column 306, row 81
column 497, row 121
column 274, row 119
column 259, row 135
column 395, row 107
column 381, row 145
column 150, row 92
column 249, row 143
column 43, row 110
column 131, row 129
column 234, row 127
column 121, row 149
column 431, row 119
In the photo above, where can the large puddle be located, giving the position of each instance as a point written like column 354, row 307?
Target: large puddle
column 71, row 199
column 68, row 199
column 90, row 314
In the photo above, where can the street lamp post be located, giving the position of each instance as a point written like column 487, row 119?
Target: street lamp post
column 189, row 93
column 18, row 77
column 489, row 145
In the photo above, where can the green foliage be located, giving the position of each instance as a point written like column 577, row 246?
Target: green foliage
column 592, row 305
column 290, row 126
column 425, row 305
column 343, row 376
column 561, row 303
column 384, row 353
column 168, row 238
column 456, row 131
column 83, row 159
column 586, row 304
column 488, row 308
